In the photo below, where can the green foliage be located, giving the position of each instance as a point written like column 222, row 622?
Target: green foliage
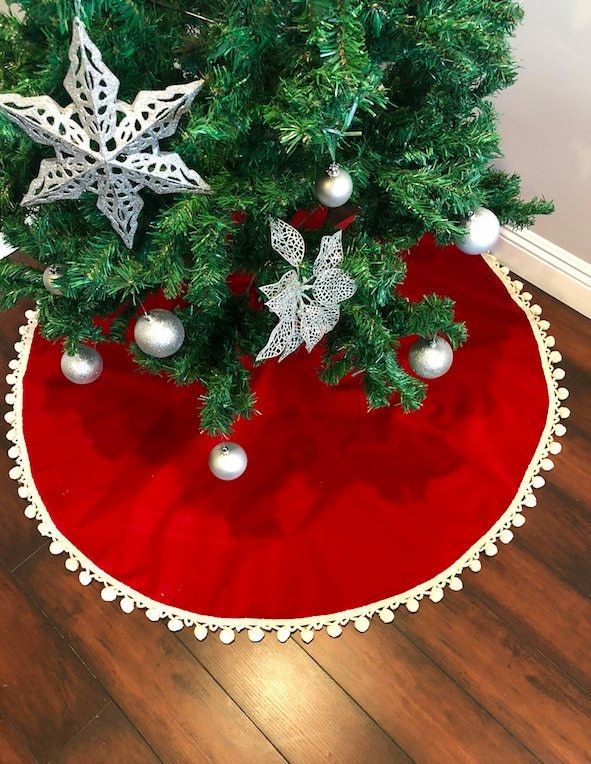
column 397, row 91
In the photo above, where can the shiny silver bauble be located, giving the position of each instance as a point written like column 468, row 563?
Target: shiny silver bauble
column 159, row 333
column 334, row 187
column 482, row 232
column 430, row 358
column 83, row 367
column 50, row 274
column 227, row 461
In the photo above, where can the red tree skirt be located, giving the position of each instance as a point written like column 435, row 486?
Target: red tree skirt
column 340, row 515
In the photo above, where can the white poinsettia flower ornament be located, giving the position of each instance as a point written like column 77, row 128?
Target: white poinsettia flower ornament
column 308, row 308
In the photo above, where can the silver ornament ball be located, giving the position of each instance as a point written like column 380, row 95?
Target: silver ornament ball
column 159, row 333
column 430, row 358
column 482, row 232
column 50, row 274
column 334, row 187
column 227, row 461
column 83, row 367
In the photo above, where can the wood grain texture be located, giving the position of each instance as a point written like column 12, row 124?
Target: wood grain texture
column 558, row 533
column 169, row 697
column 18, row 536
column 523, row 607
column 45, row 689
column 499, row 672
column 572, row 475
column 413, row 698
column 13, row 745
column 572, row 330
column 109, row 737
column 493, row 661
column 294, row 702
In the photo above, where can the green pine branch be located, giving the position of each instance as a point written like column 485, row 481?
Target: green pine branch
column 397, row 91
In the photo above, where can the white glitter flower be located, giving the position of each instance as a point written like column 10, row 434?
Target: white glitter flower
column 307, row 308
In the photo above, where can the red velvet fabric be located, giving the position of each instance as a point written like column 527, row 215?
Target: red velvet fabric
column 338, row 508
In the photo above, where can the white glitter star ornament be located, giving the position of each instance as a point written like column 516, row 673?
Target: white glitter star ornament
column 104, row 145
column 308, row 308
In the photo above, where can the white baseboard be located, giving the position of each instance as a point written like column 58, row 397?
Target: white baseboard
column 5, row 247
column 547, row 266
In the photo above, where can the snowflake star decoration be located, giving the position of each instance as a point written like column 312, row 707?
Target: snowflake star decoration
column 308, row 308
column 104, row 145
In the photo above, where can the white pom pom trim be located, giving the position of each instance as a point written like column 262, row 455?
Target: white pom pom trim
column 127, row 604
column 227, row 636
column 56, row 547
column 256, row 634
column 256, row 629
column 109, row 593
column 506, row 536
column 386, row 615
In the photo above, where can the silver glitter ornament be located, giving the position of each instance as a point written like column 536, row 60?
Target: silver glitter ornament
column 227, row 461
column 50, row 274
column 482, row 232
column 159, row 333
column 430, row 358
column 308, row 308
column 104, row 145
column 334, row 187
column 84, row 367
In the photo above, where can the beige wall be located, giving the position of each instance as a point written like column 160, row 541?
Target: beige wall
column 546, row 117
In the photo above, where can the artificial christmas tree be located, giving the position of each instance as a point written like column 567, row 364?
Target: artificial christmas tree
column 394, row 93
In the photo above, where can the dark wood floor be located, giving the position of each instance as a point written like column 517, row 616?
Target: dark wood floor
column 500, row 672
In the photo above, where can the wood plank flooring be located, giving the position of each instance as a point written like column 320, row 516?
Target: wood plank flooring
column 499, row 672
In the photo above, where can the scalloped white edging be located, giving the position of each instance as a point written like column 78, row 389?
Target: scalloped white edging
column 130, row 599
